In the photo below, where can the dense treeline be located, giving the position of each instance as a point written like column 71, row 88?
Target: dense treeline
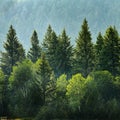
column 58, row 80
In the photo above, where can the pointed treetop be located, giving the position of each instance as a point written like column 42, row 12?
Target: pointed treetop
column 99, row 38
column 34, row 38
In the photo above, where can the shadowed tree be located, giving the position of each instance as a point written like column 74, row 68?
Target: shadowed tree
column 109, row 59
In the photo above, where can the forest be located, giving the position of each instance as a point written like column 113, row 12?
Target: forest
column 57, row 80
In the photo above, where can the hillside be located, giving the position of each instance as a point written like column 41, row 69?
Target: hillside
column 27, row 15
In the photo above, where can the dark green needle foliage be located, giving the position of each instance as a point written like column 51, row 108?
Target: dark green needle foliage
column 35, row 51
column 64, row 54
column 110, row 56
column 14, row 52
column 98, row 51
column 50, row 47
column 44, row 72
column 47, row 39
column 84, row 55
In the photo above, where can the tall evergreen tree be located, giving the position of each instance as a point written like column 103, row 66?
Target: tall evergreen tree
column 84, row 55
column 58, row 51
column 50, row 45
column 47, row 39
column 98, row 48
column 64, row 62
column 110, row 54
column 44, row 72
column 53, row 50
column 13, row 52
column 35, row 51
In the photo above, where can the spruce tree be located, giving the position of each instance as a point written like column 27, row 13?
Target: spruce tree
column 47, row 39
column 14, row 52
column 51, row 46
column 52, row 53
column 98, row 48
column 35, row 51
column 44, row 72
column 110, row 54
column 64, row 62
column 84, row 55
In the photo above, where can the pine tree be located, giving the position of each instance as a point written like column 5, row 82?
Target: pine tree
column 51, row 50
column 84, row 55
column 44, row 72
column 47, row 39
column 51, row 46
column 110, row 54
column 52, row 53
column 64, row 62
column 14, row 52
column 35, row 51
column 98, row 48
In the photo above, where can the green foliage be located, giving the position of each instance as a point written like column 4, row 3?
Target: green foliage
column 117, row 81
column 110, row 58
column 45, row 113
column 14, row 52
column 1, row 84
column 21, row 74
column 98, row 50
column 22, row 84
column 75, row 91
column 112, row 108
column 2, row 78
column 104, row 81
column 47, row 38
column 58, row 51
column 35, row 51
column 44, row 72
column 98, row 98
column 61, row 83
column 64, row 62
column 40, row 88
column 50, row 47
column 84, row 55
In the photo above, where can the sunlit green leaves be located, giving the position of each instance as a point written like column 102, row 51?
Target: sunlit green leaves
column 75, row 90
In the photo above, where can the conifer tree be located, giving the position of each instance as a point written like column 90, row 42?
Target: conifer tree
column 44, row 72
column 51, row 46
column 98, row 48
column 51, row 50
column 52, row 53
column 110, row 54
column 35, row 51
column 64, row 62
column 14, row 52
column 47, row 39
column 84, row 55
